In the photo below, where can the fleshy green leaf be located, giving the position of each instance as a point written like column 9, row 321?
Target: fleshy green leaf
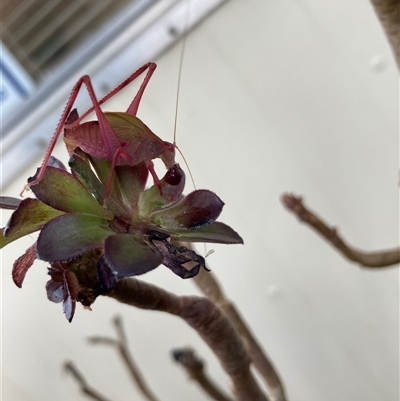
column 102, row 169
column 150, row 200
column 3, row 240
column 171, row 188
column 132, row 181
column 71, row 235
column 217, row 232
column 63, row 191
column 80, row 165
column 30, row 216
column 196, row 210
column 127, row 257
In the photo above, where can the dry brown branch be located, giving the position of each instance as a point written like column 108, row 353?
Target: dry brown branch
column 388, row 12
column 211, row 288
column 122, row 347
column 210, row 323
column 195, row 369
column 367, row 259
column 84, row 387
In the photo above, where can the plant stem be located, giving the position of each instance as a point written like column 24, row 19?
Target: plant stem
column 367, row 259
column 195, row 368
column 211, row 288
column 85, row 388
column 388, row 12
column 210, row 323
column 122, row 347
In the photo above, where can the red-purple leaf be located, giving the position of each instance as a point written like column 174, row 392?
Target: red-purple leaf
column 107, row 277
column 69, row 307
column 71, row 289
column 22, row 265
column 71, row 235
column 196, row 210
column 55, row 291
column 127, row 257
column 173, row 184
column 71, row 283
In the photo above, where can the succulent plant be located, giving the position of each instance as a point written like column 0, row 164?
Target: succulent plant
column 91, row 239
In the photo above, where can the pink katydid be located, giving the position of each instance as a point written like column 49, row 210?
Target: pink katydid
column 121, row 138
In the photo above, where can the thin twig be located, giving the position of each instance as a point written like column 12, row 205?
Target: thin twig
column 367, row 259
column 211, row 288
column 84, row 387
column 195, row 369
column 210, row 323
column 122, row 347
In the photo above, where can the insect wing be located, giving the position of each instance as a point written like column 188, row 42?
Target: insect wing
column 88, row 137
column 139, row 142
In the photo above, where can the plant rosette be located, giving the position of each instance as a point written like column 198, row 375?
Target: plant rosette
column 91, row 240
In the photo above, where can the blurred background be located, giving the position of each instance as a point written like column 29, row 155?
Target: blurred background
column 276, row 96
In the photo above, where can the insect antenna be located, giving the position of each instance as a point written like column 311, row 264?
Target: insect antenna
column 185, row 34
column 181, row 57
column 187, row 165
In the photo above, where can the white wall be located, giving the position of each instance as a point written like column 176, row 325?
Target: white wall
column 276, row 96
